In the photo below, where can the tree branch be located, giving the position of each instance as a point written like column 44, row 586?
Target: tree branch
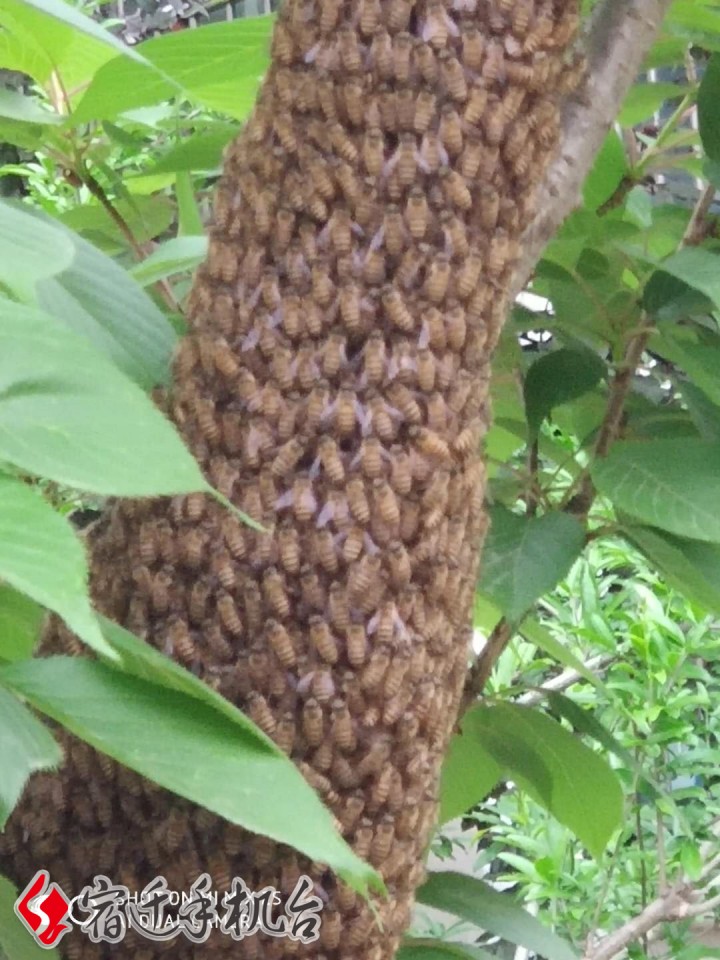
column 618, row 37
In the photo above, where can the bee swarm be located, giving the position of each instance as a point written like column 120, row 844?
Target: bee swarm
column 334, row 386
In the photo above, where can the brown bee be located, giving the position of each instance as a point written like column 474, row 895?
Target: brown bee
column 313, row 592
column 375, row 359
column 426, row 369
column 323, row 289
column 382, row 840
column 363, row 580
column 374, row 270
column 180, row 641
column 375, row 758
column 351, row 813
column 357, row 500
column 386, row 502
column 313, row 723
column 281, row 643
column 362, row 842
column 338, row 607
column 260, row 713
column 396, row 310
column 325, row 552
column 333, row 359
column 282, row 45
column 349, row 304
column 228, row 614
column 437, row 279
column 344, row 414
column 417, row 213
column 477, row 101
column 424, row 111
column 322, row 687
column 274, row 588
column 381, row 417
column 371, row 457
column 429, row 443
column 342, row 144
column 398, row 15
column 289, row 548
column 469, row 275
column 224, row 569
column 322, row 639
column 404, row 400
column 374, row 672
column 329, row 457
column 400, row 564
column 426, row 63
column 473, row 46
column 404, row 161
column 252, row 600
column 400, row 471
column 369, row 20
column 285, row 732
column 356, row 644
column 303, row 499
column 502, row 251
column 402, row 48
column 353, row 545
column 381, row 55
column 438, row 26
column 394, row 234
column 207, row 420
column 350, row 52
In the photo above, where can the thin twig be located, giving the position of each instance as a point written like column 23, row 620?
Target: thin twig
column 482, row 668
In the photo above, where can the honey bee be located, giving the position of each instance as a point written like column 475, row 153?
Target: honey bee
column 376, row 756
column 502, row 251
column 381, row 55
column 362, row 842
column 398, row 15
column 325, row 554
column 289, row 548
column 473, row 46
column 417, row 213
column 477, row 101
column 382, row 840
column 375, row 358
column 374, row 672
column 207, row 420
column 400, row 564
column 274, row 588
column 339, row 608
column 303, row 499
column 344, row 414
column 363, row 579
column 349, row 304
column 425, row 63
column 402, row 48
column 400, row 471
column 333, row 359
column 260, row 713
column 430, row 444
column 469, row 275
column 281, row 643
column 396, row 309
column 350, row 815
column 313, row 723
column 403, row 398
column 322, row 687
column 224, row 569
column 371, row 457
column 329, row 456
column 180, row 641
column 404, row 163
column 356, row 644
column 228, row 614
column 285, row 732
column 282, row 44
column 437, row 279
column 252, row 601
column 357, row 500
column 374, row 271
column 386, row 502
column 350, row 53
column 331, row 928
column 313, row 593
column 353, row 545
column 393, row 230
column 438, row 26
column 455, row 188
column 342, row 143
column 381, row 416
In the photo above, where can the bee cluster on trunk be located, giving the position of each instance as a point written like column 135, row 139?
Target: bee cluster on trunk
column 334, row 386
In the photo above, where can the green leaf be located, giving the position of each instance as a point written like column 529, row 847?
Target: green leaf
column 30, row 249
column 189, row 219
column 572, row 782
column 697, row 267
column 478, row 903
column 67, row 413
column 524, row 557
column 96, row 298
column 202, row 151
column 705, row 414
column 608, row 170
column 20, row 620
column 586, row 722
column 691, row 566
column 24, row 109
column 536, row 633
column 556, row 378
column 41, row 556
column 645, row 99
column 173, row 256
column 691, row 860
column 219, row 66
column 430, row 948
column 708, row 105
column 696, row 351
column 15, row 943
column 671, row 484
column 26, row 746
column 189, row 747
column 469, row 773
column 145, row 217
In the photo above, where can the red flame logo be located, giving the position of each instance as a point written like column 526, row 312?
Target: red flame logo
column 42, row 907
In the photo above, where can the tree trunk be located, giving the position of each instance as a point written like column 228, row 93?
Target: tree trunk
column 334, row 385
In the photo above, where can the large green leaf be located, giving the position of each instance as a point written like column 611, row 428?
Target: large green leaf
column 145, row 217
column 698, row 268
column 524, row 557
column 536, row 633
column 671, row 484
column 30, row 249
column 17, row 106
column 469, row 773
column 219, row 66
column 189, row 747
column 557, row 378
column 20, row 620
column 15, row 942
column 202, row 151
column 95, row 297
column 67, row 413
column 173, row 256
column 645, row 99
column 430, row 948
column 704, row 413
column 41, row 556
column 571, row 781
column 708, row 106
column 693, row 567
column 608, row 170
column 26, row 746
column 695, row 350
column 478, row 903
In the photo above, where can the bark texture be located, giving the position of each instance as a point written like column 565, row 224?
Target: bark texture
column 335, row 386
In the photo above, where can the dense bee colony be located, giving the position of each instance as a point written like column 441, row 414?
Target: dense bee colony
column 334, row 386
